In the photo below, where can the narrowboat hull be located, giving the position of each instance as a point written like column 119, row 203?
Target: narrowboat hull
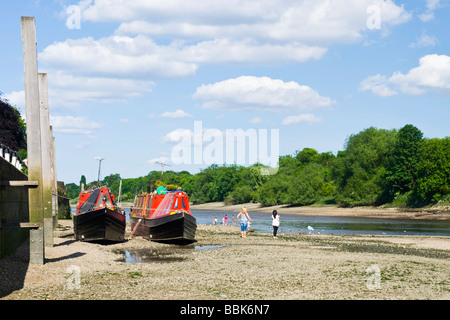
column 101, row 224
column 178, row 228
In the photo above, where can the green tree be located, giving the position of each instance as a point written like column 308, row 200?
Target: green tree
column 307, row 186
column 358, row 171
column 73, row 191
column 306, row 156
column 433, row 172
column 83, row 181
column 13, row 131
column 401, row 172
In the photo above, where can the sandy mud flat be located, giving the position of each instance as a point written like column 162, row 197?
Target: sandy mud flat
column 222, row 265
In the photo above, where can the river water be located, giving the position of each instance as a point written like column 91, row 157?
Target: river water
column 291, row 223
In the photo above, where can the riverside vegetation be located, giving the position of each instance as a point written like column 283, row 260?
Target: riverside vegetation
column 377, row 166
column 394, row 167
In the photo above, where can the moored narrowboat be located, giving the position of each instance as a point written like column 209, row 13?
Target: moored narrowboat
column 163, row 217
column 97, row 217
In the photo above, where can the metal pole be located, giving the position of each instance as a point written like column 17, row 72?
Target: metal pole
column 99, row 166
column 36, row 212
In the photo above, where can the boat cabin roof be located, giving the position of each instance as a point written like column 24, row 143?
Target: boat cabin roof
column 100, row 197
column 172, row 202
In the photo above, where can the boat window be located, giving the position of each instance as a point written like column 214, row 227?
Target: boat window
column 175, row 206
column 109, row 202
column 168, row 206
column 183, row 204
column 165, row 206
column 99, row 200
column 103, row 200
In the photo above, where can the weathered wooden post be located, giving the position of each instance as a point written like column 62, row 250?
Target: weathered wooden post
column 46, row 159
column 36, row 205
column 54, row 182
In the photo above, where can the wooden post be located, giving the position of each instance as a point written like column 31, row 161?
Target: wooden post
column 55, row 182
column 36, row 212
column 46, row 159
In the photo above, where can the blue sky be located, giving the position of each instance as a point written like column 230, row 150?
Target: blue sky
column 128, row 79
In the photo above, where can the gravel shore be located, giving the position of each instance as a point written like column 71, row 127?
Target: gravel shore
column 222, row 265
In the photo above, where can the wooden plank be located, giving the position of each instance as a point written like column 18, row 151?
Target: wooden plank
column 19, row 183
column 22, row 225
column 135, row 228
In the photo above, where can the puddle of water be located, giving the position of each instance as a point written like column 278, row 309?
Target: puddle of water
column 148, row 256
column 161, row 255
column 209, row 246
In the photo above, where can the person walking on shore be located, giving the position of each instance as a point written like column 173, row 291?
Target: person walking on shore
column 275, row 222
column 243, row 218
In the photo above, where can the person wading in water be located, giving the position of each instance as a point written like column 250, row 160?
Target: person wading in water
column 243, row 218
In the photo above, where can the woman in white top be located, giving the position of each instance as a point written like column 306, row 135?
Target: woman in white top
column 275, row 222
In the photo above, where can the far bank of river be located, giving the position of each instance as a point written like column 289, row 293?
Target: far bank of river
column 435, row 213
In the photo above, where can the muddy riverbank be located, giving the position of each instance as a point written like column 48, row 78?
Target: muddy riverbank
column 222, row 265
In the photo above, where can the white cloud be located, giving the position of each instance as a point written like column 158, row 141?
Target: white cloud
column 255, row 120
column 211, row 31
column 432, row 75
column 74, row 125
column 171, row 114
column 175, row 114
column 161, row 159
column 307, row 118
column 177, row 135
column 16, row 98
column 378, row 85
column 433, row 4
column 115, row 56
column 428, row 15
column 70, row 91
column 249, row 51
column 67, row 89
column 424, row 41
column 304, row 21
column 259, row 93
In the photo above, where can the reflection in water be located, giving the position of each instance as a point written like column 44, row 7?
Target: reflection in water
column 168, row 254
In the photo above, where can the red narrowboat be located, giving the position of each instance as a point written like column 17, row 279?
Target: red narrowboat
column 163, row 217
column 97, row 217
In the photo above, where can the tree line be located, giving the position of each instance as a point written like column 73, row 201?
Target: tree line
column 377, row 166
column 13, row 130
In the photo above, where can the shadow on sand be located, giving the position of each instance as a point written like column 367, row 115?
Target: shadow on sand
column 13, row 269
